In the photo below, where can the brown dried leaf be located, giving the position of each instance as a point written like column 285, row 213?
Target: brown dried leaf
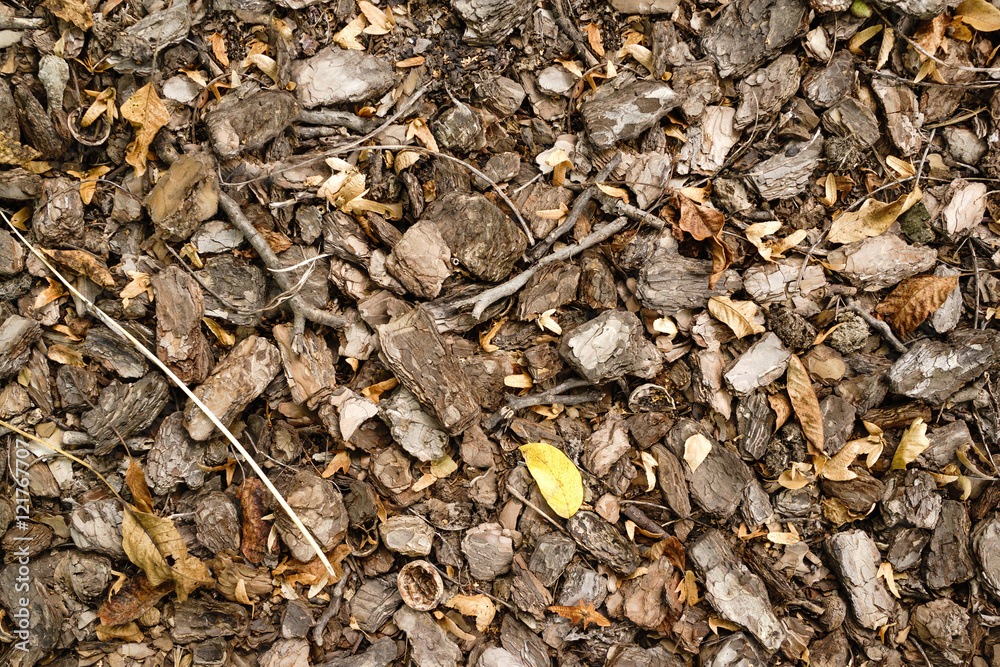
column 145, row 111
column 253, row 501
column 581, row 613
column 699, row 221
column 76, row 12
column 479, row 606
column 131, row 600
column 136, row 481
column 914, row 300
column 805, row 403
column 873, row 218
column 341, row 462
column 722, row 257
column 88, row 186
column 82, row 262
column 65, row 355
column 154, row 544
column 782, row 409
column 218, row 43
column 594, row 39
column 930, row 35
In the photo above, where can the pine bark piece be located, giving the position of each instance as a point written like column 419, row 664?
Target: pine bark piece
column 308, row 365
column 734, row 592
column 907, row 548
column 541, row 197
column 124, row 410
column 414, row 351
column 421, row 261
column 254, row 506
column 597, row 282
column 853, row 120
column 432, row 646
column 115, row 353
column 624, row 108
column 855, row 559
column 944, row 627
column 527, row 592
column 865, row 267
column 217, row 522
column 480, row 236
column 718, row 484
column 523, row 643
column 489, row 551
column 491, row 21
column 179, row 310
column 778, row 281
column 248, row 124
column 765, row 91
column 21, row 185
column 39, row 131
column 697, row 83
column 604, row 541
column 552, row 554
column 826, row 86
column 17, row 336
column 763, row 363
column 320, row 507
column 648, row 600
column 787, row 173
column 375, row 603
column 413, row 429
column 44, row 618
column 859, row 494
column 933, row 370
column 911, row 499
column 241, row 284
column 609, row 346
column 551, row 287
column 902, row 114
column 338, row 76
column 174, row 458
column 948, row 561
column 669, row 282
column 380, row 654
column 58, row 218
column 755, row 423
column 194, row 620
column 287, row 653
column 239, row 378
column 407, row 535
column 186, row 195
column 12, row 253
column 749, row 31
column 670, row 475
column 986, row 547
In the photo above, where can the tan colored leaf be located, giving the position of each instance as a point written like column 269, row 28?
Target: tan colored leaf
column 405, row 160
column 218, row 43
column 138, row 285
column 415, row 61
column 782, row 409
column 135, row 479
column 341, row 462
column 418, row 128
column 518, row 381
column 594, row 39
column 805, row 404
column 153, row 544
column 836, row 468
column 756, row 232
column 376, row 17
column 648, row 464
column 611, row 191
column 265, row 64
column 743, row 317
column 914, row 300
column 76, row 12
column 930, row 35
column 913, row 442
column 779, row 246
column 49, row 294
column 479, row 606
column 722, row 257
column 701, row 222
column 347, row 37
column 886, row 574
column 553, row 213
column 872, row 219
column 640, row 53
column 696, row 450
column 715, row 623
column 65, row 355
column 979, row 15
column 581, row 613
column 900, row 166
column 82, row 262
column 88, row 186
column 783, row 538
column 145, row 111
column 854, row 46
column 443, row 467
column 129, row 632
column 829, row 197
column 795, row 478
column 558, row 478
column 888, row 42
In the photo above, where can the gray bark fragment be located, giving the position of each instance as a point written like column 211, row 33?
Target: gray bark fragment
column 124, row 410
column 669, row 282
column 338, row 76
column 948, row 561
column 432, row 646
column 624, row 108
column 416, row 431
column 763, row 363
column 320, row 507
column 865, row 264
column 932, row 370
column 749, row 31
column 604, row 541
column 764, row 92
column 609, row 346
column 787, row 173
column 855, row 559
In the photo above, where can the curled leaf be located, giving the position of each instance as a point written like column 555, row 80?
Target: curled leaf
column 911, row 445
column 479, row 606
column 696, row 449
column 145, row 111
column 743, row 317
column 979, row 15
column 872, row 219
column 558, row 478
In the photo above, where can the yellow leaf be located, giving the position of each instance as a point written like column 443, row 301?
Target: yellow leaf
column 559, row 480
column 146, row 113
column 443, row 467
column 89, row 185
column 885, row 573
column 155, row 545
column 805, row 403
column 518, row 381
column 347, row 37
column 696, row 449
column 743, row 317
column 757, row 231
column 901, row 167
column 979, row 14
column 873, row 218
column 913, row 442
column 479, row 606
column 854, row 46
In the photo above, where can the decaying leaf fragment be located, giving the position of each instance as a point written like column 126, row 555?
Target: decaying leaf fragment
column 804, row 403
column 558, row 478
column 836, row 468
column 743, row 317
column 76, row 12
column 82, row 262
column 914, row 300
column 979, row 15
column 479, row 606
column 872, row 219
column 147, row 114
column 581, row 613
column 913, row 442
column 696, row 449
column 154, row 544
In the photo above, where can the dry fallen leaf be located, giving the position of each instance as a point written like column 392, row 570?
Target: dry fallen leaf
column 130, row 600
column 696, row 450
column 341, row 462
column 347, row 37
column 796, row 477
column 76, row 12
column 88, row 186
column 479, row 606
column 872, row 219
column 743, row 317
column 136, row 482
column 836, row 468
column 581, row 613
column 854, row 46
column 218, row 43
column 913, row 442
column 154, row 544
column 979, row 15
column 914, row 300
column 145, row 111
column 84, row 263
column 701, row 222
column 594, row 39
column 558, row 478
column 886, row 574
column 805, row 403
column 756, row 232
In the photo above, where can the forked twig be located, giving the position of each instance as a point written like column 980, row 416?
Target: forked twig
column 117, row 328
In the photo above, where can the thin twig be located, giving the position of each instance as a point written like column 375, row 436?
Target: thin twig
column 975, row 268
column 117, row 328
column 486, row 298
column 925, row 84
column 878, row 325
column 535, row 507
